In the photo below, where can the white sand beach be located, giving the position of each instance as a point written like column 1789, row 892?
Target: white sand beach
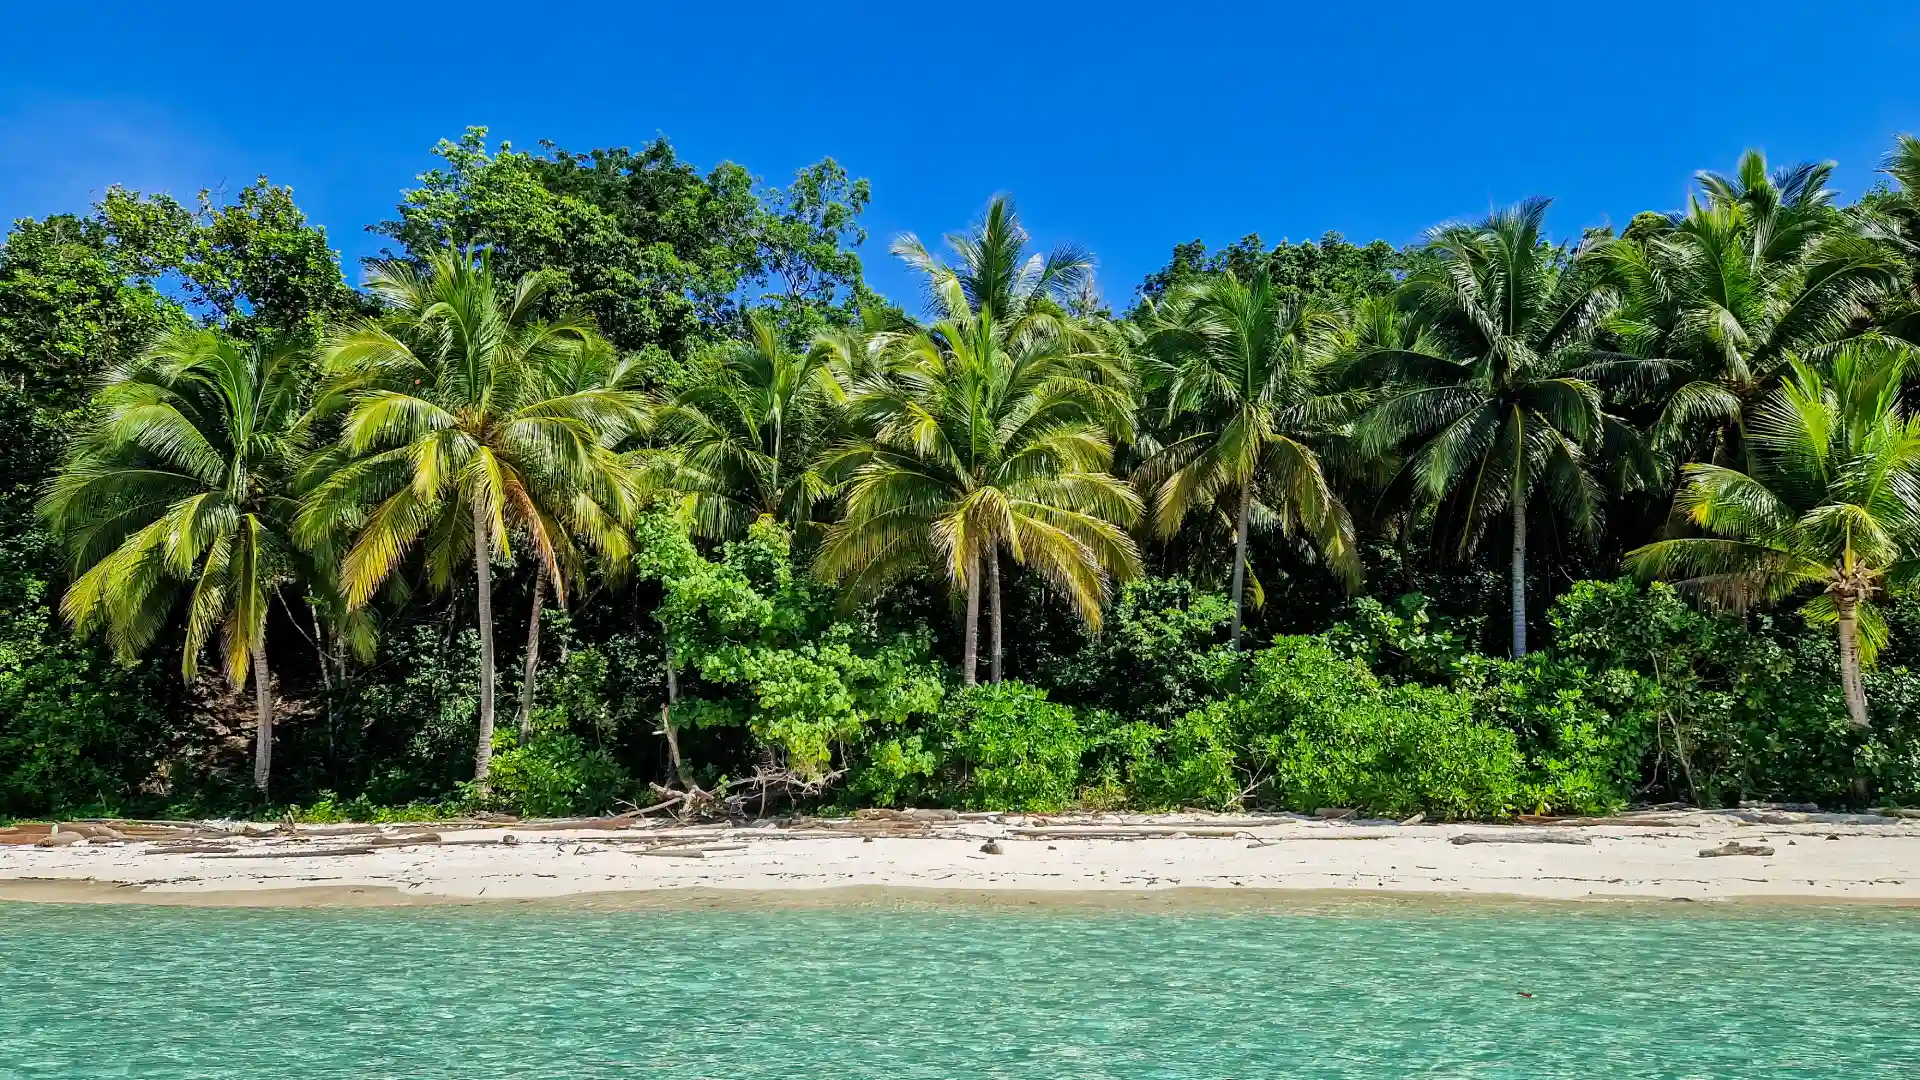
column 1781, row 856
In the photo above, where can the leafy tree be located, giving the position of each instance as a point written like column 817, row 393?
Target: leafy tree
column 453, row 436
column 178, row 492
column 255, row 266
column 1248, row 369
column 806, row 233
column 69, row 311
column 1331, row 268
column 759, row 634
column 1496, row 416
column 657, row 253
column 1832, row 500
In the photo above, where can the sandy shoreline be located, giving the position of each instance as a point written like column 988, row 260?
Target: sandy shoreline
column 1136, row 860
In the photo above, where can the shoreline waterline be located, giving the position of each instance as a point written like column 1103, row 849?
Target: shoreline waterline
column 880, row 898
column 1139, row 864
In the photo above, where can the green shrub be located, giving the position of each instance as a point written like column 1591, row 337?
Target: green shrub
column 1409, row 749
column 556, row 774
column 1200, row 762
column 1159, row 654
column 1015, row 749
column 1311, row 728
column 896, row 771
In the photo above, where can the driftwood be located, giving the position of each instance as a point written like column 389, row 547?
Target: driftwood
column 1735, row 847
column 1123, row 832
column 295, row 853
column 620, row 821
column 1520, row 838
column 58, row 839
column 1415, row 819
column 1623, row 819
column 194, row 849
column 1335, row 813
column 105, row 832
column 688, row 851
column 882, row 814
column 407, row 841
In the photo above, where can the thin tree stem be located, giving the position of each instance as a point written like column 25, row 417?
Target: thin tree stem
column 1519, row 582
column 263, row 713
column 483, row 575
column 533, row 652
column 666, row 721
column 1852, row 686
column 970, row 657
column 996, row 652
column 1240, row 558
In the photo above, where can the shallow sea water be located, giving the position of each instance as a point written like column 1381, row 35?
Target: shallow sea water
column 1380, row 992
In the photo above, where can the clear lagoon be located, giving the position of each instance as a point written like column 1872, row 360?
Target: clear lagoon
column 1366, row 991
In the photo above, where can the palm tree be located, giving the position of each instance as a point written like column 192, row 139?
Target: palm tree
column 994, row 276
column 1009, row 300
column 455, row 434
column 1715, row 301
column 1495, row 416
column 740, row 441
column 1832, row 500
column 177, row 491
column 976, row 444
column 593, row 367
column 1252, row 368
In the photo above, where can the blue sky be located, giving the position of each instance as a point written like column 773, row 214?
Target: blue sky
column 1123, row 127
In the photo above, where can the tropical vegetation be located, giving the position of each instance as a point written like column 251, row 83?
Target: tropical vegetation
column 1492, row 523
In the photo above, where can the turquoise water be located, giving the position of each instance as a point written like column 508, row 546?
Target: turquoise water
column 1365, row 992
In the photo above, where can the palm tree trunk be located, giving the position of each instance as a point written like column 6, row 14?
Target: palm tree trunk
column 666, row 722
column 993, row 612
column 263, row 712
column 533, row 652
column 483, row 572
column 1519, row 578
column 1240, row 557
column 1851, row 685
column 970, row 657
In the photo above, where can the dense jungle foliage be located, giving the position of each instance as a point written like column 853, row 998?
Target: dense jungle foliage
column 612, row 480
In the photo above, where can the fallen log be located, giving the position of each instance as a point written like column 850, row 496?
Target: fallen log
column 193, row 849
column 1123, row 832
column 295, row 853
column 407, row 841
column 1520, row 838
column 1621, row 819
column 618, row 821
column 689, row 851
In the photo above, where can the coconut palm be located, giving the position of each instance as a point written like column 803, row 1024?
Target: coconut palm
column 740, row 441
column 1010, row 299
column 455, row 435
column 976, row 444
column 993, row 275
column 593, row 367
column 1494, row 417
column 177, row 491
column 1250, row 369
column 1715, row 301
column 1832, row 502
